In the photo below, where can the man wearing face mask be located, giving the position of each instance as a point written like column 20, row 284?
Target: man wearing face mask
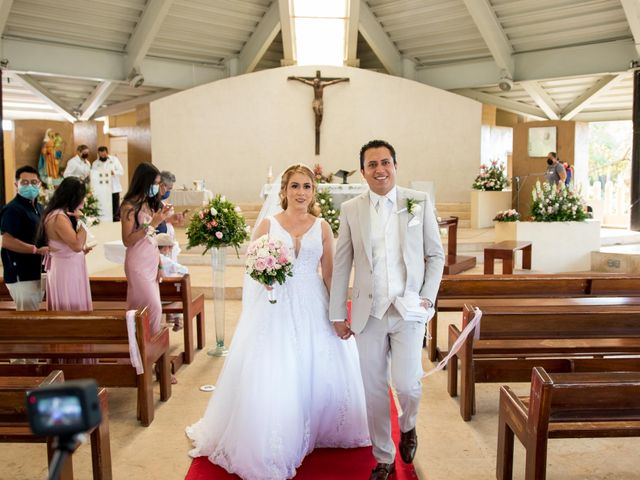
column 167, row 179
column 21, row 256
column 555, row 171
column 79, row 165
column 110, row 165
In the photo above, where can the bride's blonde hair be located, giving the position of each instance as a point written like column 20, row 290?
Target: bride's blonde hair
column 313, row 208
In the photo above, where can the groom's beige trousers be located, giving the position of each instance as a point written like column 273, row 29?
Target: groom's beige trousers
column 390, row 345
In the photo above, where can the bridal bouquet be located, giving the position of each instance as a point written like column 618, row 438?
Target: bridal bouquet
column 269, row 261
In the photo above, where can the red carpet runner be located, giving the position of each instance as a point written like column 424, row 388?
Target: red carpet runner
column 322, row 464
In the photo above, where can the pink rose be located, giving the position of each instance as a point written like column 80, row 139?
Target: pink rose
column 270, row 262
column 219, row 235
column 260, row 265
column 237, row 209
column 284, row 251
column 201, row 214
column 283, row 260
column 214, row 223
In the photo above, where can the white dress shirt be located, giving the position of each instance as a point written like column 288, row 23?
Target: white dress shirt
column 77, row 167
column 388, row 265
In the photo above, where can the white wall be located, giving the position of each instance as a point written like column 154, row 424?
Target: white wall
column 229, row 132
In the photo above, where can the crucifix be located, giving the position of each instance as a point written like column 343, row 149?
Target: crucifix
column 318, row 83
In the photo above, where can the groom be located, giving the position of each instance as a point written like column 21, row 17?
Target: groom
column 391, row 236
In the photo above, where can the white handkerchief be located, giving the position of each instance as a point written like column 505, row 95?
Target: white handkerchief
column 409, row 307
column 414, row 221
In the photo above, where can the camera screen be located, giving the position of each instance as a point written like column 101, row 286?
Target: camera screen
column 60, row 411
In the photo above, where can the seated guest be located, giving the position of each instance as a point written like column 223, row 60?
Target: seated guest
column 21, row 254
column 67, row 275
column 170, row 268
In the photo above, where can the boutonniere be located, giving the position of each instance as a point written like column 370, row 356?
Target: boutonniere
column 413, row 206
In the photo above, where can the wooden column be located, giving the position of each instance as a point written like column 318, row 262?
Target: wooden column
column 635, row 157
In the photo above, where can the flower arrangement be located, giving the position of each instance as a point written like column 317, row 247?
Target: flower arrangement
column 510, row 215
column 324, row 201
column 218, row 224
column 491, row 178
column 91, row 209
column 319, row 176
column 268, row 261
column 557, row 204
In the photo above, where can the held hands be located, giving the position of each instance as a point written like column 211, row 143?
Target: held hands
column 42, row 251
column 342, row 330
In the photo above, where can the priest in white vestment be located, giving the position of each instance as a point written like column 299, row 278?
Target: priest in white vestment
column 110, row 167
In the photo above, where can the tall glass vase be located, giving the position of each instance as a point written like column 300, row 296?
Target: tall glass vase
column 218, row 256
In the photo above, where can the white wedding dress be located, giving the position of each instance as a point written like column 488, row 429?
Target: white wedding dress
column 289, row 384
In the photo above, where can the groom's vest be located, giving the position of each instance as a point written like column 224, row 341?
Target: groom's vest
column 388, row 264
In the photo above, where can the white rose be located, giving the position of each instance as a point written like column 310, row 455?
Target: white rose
column 417, row 208
column 322, row 201
column 213, row 211
column 262, row 253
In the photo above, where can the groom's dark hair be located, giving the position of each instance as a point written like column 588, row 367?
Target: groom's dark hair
column 376, row 144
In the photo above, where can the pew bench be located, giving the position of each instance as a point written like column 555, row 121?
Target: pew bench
column 176, row 297
column 457, row 290
column 514, row 339
column 565, row 405
column 14, row 423
column 88, row 345
column 110, row 293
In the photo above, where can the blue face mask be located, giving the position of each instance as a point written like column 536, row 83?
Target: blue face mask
column 165, row 195
column 30, row 192
column 153, row 190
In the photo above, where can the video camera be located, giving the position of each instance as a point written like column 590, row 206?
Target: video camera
column 65, row 411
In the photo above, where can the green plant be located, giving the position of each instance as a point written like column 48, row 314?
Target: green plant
column 91, row 209
column 324, row 201
column 557, row 204
column 218, row 224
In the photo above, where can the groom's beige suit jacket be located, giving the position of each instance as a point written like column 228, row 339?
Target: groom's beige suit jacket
column 420, row 244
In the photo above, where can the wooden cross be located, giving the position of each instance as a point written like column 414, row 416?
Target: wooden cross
column 318, row 83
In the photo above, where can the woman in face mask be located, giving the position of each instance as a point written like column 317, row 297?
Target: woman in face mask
column 67, row 275
column 140, row 214
column 79, row 166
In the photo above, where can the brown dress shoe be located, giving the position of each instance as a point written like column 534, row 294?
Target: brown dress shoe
column 382, row 471
column 408, row 445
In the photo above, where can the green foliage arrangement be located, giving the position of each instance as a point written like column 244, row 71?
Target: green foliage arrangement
column 218, row 224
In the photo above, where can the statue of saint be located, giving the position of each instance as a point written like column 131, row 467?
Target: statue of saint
column 48, row 164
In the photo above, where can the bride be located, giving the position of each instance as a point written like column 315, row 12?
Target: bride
column 289, row 384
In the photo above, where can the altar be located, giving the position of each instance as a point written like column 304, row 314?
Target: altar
column 341, row 192
column 190, row 198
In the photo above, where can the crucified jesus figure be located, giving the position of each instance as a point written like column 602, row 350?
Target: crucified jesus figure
column 318, row 83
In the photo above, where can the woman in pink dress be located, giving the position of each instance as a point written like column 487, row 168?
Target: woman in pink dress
column 67, row 276
column 140, row 214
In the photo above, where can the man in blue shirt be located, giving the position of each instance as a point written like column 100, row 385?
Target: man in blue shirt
column 21, row 255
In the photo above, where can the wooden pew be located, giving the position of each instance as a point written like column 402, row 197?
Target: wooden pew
column 14, row 424
column 64, row 337
column 110, row 293
column 176, row 296
column 456, row 290
column 514, row 339
column 569, row 405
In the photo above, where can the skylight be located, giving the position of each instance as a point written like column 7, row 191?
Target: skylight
column 319, row 29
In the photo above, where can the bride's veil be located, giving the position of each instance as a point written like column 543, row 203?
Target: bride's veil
column 252, row 290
